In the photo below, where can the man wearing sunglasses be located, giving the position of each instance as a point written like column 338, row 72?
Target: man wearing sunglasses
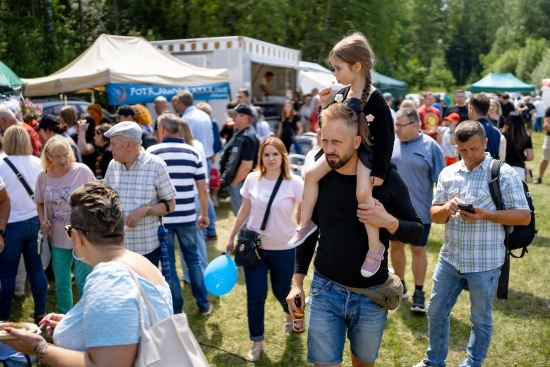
column 419, row 159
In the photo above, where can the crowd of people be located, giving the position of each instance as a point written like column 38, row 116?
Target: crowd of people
column 365, row 195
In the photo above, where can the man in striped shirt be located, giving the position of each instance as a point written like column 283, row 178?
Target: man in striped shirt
column 186, row 170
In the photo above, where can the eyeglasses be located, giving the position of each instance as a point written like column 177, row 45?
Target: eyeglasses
column 58, row 158
column 399, row 126
column 69, row 228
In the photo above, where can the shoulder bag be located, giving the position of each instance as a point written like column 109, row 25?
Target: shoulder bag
column 167, row 343
column 42, row 240
column 248, row 242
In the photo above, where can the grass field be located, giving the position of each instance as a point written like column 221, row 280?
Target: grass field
column 521, row 335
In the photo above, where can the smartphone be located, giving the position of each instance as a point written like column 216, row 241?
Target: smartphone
column 467, row 208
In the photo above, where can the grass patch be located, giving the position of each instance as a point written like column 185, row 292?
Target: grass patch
column 521, row 335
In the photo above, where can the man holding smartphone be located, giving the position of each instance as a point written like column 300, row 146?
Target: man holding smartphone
column 473, row 251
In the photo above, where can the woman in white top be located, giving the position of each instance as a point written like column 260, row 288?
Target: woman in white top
column 23, row 223
column 103, row 329
column 276, row 257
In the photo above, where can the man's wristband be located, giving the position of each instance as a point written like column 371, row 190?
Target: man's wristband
column 165, row 202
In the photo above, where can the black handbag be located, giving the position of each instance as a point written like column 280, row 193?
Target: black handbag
column 248, row 242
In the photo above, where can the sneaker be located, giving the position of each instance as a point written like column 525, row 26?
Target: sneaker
column 302, row 234
column 369, row 269
column 421, row 364
column 418, row 302
column 537, row 181
column 405, row 293
column 208, row 311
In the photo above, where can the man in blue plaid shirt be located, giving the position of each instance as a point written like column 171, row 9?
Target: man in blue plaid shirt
column 473, row 251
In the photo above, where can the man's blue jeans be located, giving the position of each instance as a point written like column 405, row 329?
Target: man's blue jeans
column 187, row 239
column 447, row 286
column 236, row 197
column 21, row 239
column 201, row 246
column 280, row 265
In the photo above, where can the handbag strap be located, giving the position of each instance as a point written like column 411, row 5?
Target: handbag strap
column 143, row 296
column 43, row 191
column 20, row 177
column 275, row 189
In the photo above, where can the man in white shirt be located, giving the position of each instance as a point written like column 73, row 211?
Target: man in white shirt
column 540, row 107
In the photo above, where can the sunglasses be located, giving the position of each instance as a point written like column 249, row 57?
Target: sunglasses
column 69, row 228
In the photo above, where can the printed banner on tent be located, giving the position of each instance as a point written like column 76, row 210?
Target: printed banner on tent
column 122, row 93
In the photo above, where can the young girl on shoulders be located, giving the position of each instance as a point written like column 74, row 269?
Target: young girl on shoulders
column 352, row 59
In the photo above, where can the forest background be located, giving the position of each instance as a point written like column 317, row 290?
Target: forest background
column 437, row 44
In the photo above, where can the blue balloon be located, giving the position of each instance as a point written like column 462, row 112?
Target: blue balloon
column 220, row 275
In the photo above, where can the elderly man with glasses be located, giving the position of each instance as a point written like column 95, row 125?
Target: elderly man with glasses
column 419, row 159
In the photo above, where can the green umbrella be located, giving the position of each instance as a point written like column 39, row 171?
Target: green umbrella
column 8, row 77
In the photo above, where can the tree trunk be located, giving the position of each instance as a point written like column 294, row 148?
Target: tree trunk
column 325, row 28
column 81, row 19
column 115, row 11
column 50, row 26
column 185, row 25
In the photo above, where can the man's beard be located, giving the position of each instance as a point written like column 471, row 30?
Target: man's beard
column 341, row 162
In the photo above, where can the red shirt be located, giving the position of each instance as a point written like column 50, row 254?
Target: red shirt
column 35, row 140
column 430, row 119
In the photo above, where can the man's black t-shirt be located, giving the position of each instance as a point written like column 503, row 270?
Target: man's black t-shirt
column 507, row 108
column 462, row 112
column 343, row 241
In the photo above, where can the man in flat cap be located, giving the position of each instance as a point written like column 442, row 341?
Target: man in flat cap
column 240, row 155
column 144, row 186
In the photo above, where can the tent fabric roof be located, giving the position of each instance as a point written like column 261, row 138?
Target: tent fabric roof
column 118, row 59
column 313, row 75
column 500, row 82
column 8, row 77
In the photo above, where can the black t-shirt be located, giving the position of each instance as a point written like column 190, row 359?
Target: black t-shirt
column 462, row 112
column 516, row 158
column 106, row 157
column 507, row 108
column 343, row 241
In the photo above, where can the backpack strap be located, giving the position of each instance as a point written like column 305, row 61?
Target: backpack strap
column 494, row 188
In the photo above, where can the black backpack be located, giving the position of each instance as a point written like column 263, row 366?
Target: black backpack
column 517, row 237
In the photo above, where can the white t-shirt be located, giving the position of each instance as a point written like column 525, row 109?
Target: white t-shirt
column 280, row 225
column 448, row 149
column 263, row 131
column 540, row 107
column 22, row 206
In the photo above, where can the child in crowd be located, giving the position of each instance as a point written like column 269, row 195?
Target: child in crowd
column 352, row 59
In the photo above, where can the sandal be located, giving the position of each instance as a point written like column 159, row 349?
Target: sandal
column 254, row 354
column 368, row 269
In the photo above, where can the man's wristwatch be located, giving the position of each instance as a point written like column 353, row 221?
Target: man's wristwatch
column 149, row 210
column 3, row 233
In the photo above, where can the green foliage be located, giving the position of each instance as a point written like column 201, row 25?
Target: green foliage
column 413, row 40
column 439, row 74
column 531, row 55
column 542, row 70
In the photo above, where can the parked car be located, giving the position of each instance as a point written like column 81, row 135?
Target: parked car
column 54, row 105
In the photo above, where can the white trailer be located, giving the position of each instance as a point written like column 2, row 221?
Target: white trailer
column 248, row 60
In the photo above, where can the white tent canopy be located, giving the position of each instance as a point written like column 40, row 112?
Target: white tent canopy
column 312, row 75
column 118, row 59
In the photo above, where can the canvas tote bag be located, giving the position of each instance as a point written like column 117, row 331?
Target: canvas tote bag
column 167, row 343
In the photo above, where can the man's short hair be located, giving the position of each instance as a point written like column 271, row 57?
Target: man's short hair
column 185, row 97
column 269, row 73
column 426, row 93
column 244, row 91
column 460, row 91
column 505, row 95
column 480, row 102
column 205, row 107
column 467, row 129
column 170, row 122
column 410, row 113
column 341, row 111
